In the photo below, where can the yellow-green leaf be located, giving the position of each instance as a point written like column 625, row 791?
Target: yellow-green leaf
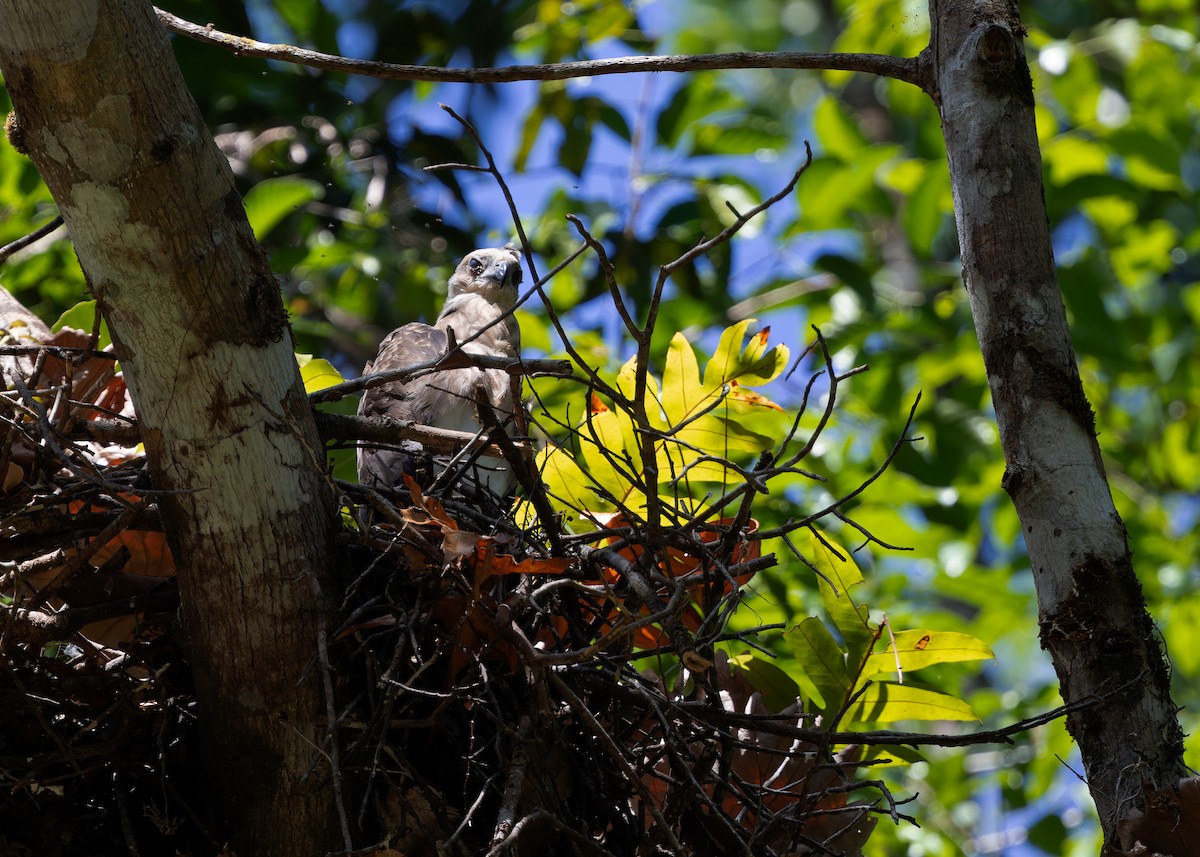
column 883, row 702
column 749, row 367
column 721, row 436
column 271, row 200
column 568, row 487
column 823, row 673
column 81, row 317
column 682, row 395
column 602, row 448
column 850, row 619
column 627, row 384
column 317, row 373
column 920, row 648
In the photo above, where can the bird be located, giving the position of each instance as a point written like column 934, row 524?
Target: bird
column 477, row 314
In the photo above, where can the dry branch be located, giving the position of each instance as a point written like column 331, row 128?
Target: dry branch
column 906, row 69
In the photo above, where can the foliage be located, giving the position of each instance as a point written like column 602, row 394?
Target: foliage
column 867, row 252
column 696, row 424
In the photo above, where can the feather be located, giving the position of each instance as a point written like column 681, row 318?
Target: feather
column 479, row 300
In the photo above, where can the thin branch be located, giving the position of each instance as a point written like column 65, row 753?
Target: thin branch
column 331, row 719
column 781, row 725
column 900, row 68
column 841, row 501
column 25, row 240
column 455, row 359
column 610, row 277
column 39, row 627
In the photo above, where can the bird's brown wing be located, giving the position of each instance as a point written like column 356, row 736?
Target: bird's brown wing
column 410, row 345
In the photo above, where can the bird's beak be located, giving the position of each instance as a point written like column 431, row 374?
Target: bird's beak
column 501, row 272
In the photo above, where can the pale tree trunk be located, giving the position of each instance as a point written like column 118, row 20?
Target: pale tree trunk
column 203, row 339
column 1092, row 616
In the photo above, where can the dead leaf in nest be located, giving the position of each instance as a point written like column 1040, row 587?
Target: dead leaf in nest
column 1169, row 823
column 687, row 567
column 487, row 560
column 148, row 553
column 781, row 772
column 13, row 476
column 458, row 544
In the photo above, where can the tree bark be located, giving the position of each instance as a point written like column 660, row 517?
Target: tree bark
column 202, row 336
column 1092, row 615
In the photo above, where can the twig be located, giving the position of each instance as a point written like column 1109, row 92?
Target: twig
column 780, row 725
column 40, row 627
column 508, row 197
column 901, row 68
column 331, row 719
column 516, row 781
column 809, row 519
column 83, row 554
column 455, row 359
column 613, row 749
column 25, row 240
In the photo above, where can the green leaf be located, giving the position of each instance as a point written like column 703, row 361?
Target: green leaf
column 720, row 436
column 850, row 619
column 778, row 689
column 609, row 117
column 920, row 648
column 925, row 210
column 884, row 702
column 698, row 97
column 682, row 395
column 607, row 457
column 271, row 200
column 317, row 373
column 752, row 366
column 570, row 489
column 839, row 134
column 82, row 316
column 530, row 134
column 822, row 663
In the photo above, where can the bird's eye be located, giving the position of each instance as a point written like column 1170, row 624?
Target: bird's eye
column 475, row 265
column 516, row 278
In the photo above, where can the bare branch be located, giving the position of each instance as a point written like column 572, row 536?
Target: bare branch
column 900, row 68
column 25, row 240
column 455, row 359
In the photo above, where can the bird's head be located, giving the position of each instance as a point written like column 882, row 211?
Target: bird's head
column 492, row 273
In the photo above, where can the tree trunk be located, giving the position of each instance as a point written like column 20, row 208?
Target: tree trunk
column 1092, row 616
column 202, row 336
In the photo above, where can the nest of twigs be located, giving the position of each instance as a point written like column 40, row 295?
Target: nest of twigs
column 526, row 704
column 498, row 696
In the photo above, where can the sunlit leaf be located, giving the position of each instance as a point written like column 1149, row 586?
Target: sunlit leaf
column 682, row 395
column 883, row 702
column 748, row 367
column 82, row 316
column 602, row 448
column 839, row 135
column 271, row 200
column 568, row 486
column 317, row 373
column 920, row 648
